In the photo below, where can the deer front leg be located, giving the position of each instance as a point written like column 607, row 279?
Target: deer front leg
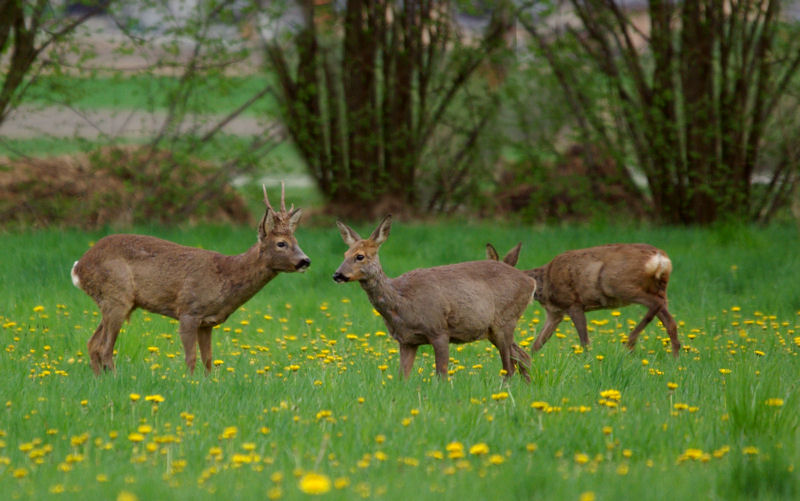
column 578, row 317
column 550, row 324
column 441, row 353
column 188, row 330
column 408, row 352
column 204, row 340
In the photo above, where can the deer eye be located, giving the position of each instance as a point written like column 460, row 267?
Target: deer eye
column 281, row 244
column 359, row 257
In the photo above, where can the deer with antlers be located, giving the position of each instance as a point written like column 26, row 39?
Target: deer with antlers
column 197, row 287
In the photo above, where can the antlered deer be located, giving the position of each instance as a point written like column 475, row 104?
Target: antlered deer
column 457, row 303
column 198, row 287
column 607, row 276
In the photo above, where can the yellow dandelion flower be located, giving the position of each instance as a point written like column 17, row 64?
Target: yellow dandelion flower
column 341, row 483
column 38, row 308
column 479, row 449
column 135, row 437
column 144, row 429
column 497, row 459
column 750, row 450
column 127, row 496
column 774, row 402
column 724, row 371
column 587, row 496
column 672, row 385
column 530, row 447
column 500, row 396
column 314, row 483
column 154, row 398
column 581, row 458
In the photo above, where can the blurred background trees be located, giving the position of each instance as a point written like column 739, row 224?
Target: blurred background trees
column 676, row 112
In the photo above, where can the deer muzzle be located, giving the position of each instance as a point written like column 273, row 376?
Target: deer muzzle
column 303, row 264
column 340, row 277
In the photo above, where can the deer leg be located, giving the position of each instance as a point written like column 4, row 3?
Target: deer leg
column 188, row 330
column 204, row 340
column 523, row 361
column 578, row 317
column 672, row 329
column 550, row 324
column 652, row 309
column 94, row 346
column 441, row 353
column 113, row 317
column 503, row 339
column 408, row 353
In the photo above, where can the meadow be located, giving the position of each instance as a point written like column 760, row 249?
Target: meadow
column 305, row 400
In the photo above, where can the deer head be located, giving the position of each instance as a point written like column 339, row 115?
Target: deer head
column 276, row 236
column 361, row 258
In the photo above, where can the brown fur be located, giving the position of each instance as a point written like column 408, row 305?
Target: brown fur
column 607, row 276
column 198, row 287
column 457, row 303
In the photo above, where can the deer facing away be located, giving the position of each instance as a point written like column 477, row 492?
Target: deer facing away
column 198, row 287
column 607, row 276
column 457, row 303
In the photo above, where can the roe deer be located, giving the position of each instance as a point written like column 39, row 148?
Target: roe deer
column 457, row 303
column 198, row 287
column 607, row 276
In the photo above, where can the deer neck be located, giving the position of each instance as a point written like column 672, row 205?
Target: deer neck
column 247, row 273
column 382, row 294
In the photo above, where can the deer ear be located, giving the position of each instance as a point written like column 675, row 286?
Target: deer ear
column 266, row 225
column 513, row 255
column 294, row 218
column 381, row 233
column 349, row 235
column 491, row 253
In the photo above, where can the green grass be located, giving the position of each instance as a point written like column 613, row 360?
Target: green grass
column 306, row 382
column 214, row 94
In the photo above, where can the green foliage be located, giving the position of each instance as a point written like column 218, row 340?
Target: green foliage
column 305, row 382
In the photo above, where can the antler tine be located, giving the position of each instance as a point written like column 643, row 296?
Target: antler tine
column 283, row 197
column 266, row 198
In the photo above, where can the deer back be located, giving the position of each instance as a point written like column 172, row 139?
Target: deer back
column 606, row 276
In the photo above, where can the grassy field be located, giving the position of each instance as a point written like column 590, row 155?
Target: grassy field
column 304, row 396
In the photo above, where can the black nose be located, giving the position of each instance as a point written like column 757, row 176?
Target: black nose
column 338, row 277
column 303, row 264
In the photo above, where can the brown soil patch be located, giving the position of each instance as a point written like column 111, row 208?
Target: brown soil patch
column 115, row 186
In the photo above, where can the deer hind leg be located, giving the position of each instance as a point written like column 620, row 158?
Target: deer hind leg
column 189, row 330
column 550, row 324
column 502, row 337
column 522, row 360
column 204, row 340
column 94, row 345
column 653, row 307
column 672, row 329
column 408, row 353
column 441, row 353
column 101, row 347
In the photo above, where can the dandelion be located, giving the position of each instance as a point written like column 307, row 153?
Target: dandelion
column 587, row 496
column 154, row 398
column 750, row 451
column 724, row 371
column 581, row 458
column 500, row 396
column 314, row 483
column 38, row 308
column 672, row 385
column 126, row 496
column 229, row 432
column 479, row 449
column 531, row 447
column 774, row 402
column 135, row 437
column 496, row 459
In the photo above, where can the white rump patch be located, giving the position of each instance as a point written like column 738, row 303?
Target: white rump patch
column 658, row 266
column 75, row 280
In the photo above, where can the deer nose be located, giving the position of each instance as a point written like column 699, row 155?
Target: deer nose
column 303, row 264
column 339, row 277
